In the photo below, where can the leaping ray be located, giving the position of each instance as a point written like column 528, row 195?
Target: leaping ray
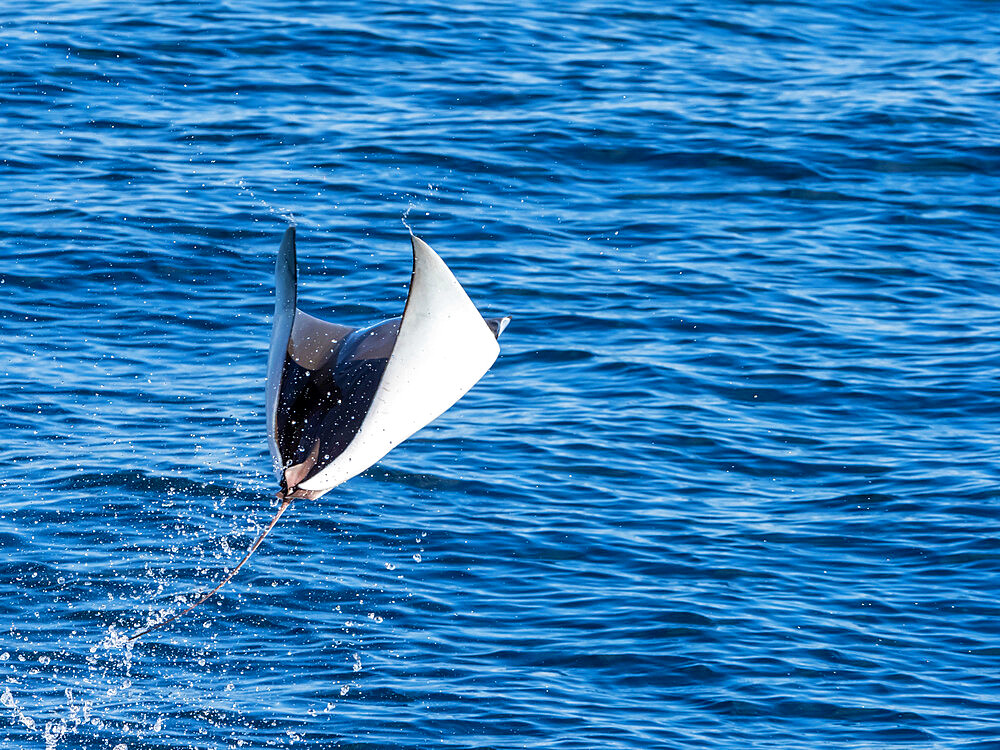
column 340, row 398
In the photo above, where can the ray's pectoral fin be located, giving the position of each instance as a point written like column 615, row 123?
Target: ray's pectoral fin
column 416, row 367
column 285, row 297
column 312, row 389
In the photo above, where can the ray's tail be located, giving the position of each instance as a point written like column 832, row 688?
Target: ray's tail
column 253, row 548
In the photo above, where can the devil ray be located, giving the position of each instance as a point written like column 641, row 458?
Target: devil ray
column 340, row 398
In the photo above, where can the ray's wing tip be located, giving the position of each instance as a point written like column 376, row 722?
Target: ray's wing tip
column 285, row 262
column 419, row 244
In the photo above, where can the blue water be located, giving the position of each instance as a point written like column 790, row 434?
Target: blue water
column 733, row 482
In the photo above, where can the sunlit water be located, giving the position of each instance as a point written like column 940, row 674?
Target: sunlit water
column 732, row 483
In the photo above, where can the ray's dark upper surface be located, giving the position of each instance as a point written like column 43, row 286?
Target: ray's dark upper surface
column 320, row 411
column 731, row 484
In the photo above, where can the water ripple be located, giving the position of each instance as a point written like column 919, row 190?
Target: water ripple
column 732, row 483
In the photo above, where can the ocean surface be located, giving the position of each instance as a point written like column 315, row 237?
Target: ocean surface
column 734, row 481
